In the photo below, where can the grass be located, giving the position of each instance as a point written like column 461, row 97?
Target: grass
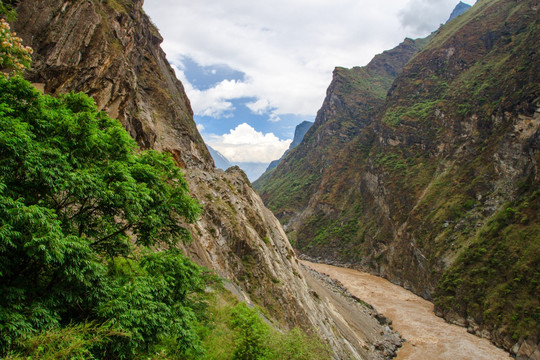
column 121, row 6
column 234, row 329
column 418, row 111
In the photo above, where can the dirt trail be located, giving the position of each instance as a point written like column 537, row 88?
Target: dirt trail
column 428, row 336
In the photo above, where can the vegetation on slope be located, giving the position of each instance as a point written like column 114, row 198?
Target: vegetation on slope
column 438, row 192
column 81, row 211
column 235, row 331
column 496, row 280
column 353, row 99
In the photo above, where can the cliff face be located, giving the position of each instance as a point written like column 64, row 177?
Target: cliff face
column 243, row 241
column 434, row 185
column 458, row 10
column 110, row 50
column 119, row 63
column 351, row 103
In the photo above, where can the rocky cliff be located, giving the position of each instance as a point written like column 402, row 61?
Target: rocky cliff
column 352, row 101
column 119, row 63
column 434, row 184
column 110, row 50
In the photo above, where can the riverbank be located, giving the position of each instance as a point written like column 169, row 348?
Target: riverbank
column 427, row 335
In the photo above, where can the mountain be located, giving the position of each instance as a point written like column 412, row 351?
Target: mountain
column 220, row 160
column 111, row 51
column 426, row 172
column 299, row 133
column 355, row 95
column 458, row 10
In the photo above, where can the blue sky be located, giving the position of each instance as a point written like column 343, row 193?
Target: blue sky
column 253, row 70
column 207, row 77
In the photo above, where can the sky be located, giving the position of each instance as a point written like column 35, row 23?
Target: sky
column 253, row 70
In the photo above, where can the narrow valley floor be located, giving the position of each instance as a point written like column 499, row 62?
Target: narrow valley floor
column 428, row 336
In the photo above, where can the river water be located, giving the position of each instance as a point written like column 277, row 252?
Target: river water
column 428, row 336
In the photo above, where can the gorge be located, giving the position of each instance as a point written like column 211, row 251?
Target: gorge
column 421, row 167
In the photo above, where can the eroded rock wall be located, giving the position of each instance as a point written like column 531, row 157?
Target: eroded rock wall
column 111, row 51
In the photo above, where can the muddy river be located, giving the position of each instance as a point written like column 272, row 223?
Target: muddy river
column 428, row 336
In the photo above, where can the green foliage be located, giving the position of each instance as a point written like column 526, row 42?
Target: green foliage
column 79, row 206
column 151, row 299
column 235, row 331
column 72, row 342
column 7, row 10
column 362, row 80
column 250, row 334
column 121, row 6
column 390, row 161
column 419, row 111
column 297, row 345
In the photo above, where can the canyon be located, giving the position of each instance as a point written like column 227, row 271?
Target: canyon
column 421, row 167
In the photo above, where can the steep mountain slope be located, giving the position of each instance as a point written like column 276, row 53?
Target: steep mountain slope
column 110, row 50
column 438, row 190
column 352, row 100
column 124, row 70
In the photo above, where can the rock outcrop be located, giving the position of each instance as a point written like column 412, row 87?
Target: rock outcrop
column 433, row 184
column 110, row 50
column 117, row 61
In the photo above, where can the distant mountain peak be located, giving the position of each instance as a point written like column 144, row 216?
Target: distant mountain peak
column 458, row 10
column 220, row 160
column 299, row 133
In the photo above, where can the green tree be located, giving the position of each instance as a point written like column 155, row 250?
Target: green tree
column 76, row 200
column 250, row 342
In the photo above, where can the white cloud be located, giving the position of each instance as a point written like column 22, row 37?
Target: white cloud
column 421, row 16
column 263, row 106
column 259, row 107
column 286, row 48
column 200, row 127
column 245, row 144
column 273, row 117
column 214, row 102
